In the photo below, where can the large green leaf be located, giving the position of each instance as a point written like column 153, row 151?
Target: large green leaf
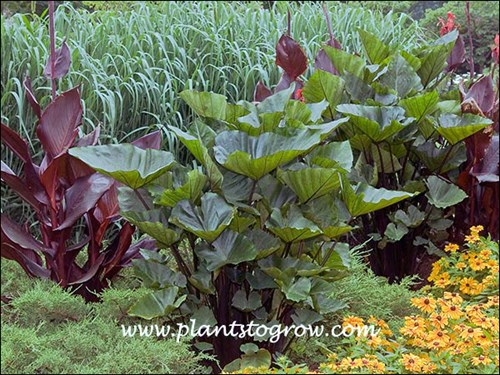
column 401, row 77
column 376, row 51
column 206, row 104
column 323, row 85
column 265, row 243
column 207, row 221
column 345, row 62
column 332, row 155
column 442, row 194
column 456, row 128
column 186, row 186
column 363, row 198
column 433, row 58
column 153, row 223
column 156, row 275
column 246, row 303
column 421, row 105
column 157, row 304
column 292, row 226
column 254, row 157
column 229, row 248
column 298, row 290
column 310, row 183
column 131, row 165
column 276, row 102
column 200, row 152
column 378, row 123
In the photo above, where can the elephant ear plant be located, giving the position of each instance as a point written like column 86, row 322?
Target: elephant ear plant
column 407, row 130
column 66, row 196
column 254, row 228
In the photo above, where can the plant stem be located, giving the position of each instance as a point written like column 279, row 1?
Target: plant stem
column 471, row 47
column 52, row 49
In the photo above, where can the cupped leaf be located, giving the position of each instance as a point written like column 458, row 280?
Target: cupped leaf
column 292, row 226
column 421, row 105
column 401, row 77
column 324, row 86
column 127, row 164
column 456, row 128
column 156, row 275
column 297, row 291
column 310, row 183
column 157, row 304
column 265, row 243
column 254, row 157
column 376, row 51
column 345, row 62
column 206, row 104
column 442, row 194
column 153, row 223
column 229, row 248
column 378, row 123
column 207, row 221
column 332, row 155
column 200, row 152
column 363, row 198
column 191, row 189
column 394, row 232
column 246, row 303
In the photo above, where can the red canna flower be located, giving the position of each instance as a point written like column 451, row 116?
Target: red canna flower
column 495, row 50
column 447, row 26
column 298, row 95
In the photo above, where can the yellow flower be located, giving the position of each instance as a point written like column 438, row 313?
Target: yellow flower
column 472, row 238
column 476, row 229
column 426, row 304
column 451, row 311
column 468, row 333
column 460, row 266
column 443, row 281
column 485, row 254
column 481, row 360
column 451, row 248
column 454, row 298
column 412, row 362
column 477, row 264
column 468, row 285
column 438, row 321
column 354, row 321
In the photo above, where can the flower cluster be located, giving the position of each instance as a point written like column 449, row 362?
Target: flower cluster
column 448, row 25
column 454, row 331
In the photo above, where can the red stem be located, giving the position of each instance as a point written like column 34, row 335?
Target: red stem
column 471, row 47
column 52, row 49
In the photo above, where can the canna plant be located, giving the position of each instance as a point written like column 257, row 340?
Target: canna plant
column 253, row 227
column 409, row 132
column 65, row 195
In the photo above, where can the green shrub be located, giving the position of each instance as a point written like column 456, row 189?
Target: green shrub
column 484, row 22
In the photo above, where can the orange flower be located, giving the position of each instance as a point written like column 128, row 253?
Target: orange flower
column 451, row 311
column 453, row 298
column 438, row 321
column 447, row 26
column 481, row 360
column 468, row 285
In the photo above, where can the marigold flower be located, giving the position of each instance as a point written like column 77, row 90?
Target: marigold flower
column 472, row 238
column 353, row 321
column 460, row 266
column 476, row 229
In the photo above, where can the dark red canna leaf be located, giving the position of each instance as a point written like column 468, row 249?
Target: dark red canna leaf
column 487, row 169
column 82, row 196
column 483, row 93
column 19, row 187
column 14, row 234
column 89, row 139
column 30, row 261
column 31, row 97
column 457, row 55
column 261, row 92
column 61, row 64
column 152, row 140
column 58, row 125
column 116, row 251
column 15, row 143
column 290, row 57
column 284, row 82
